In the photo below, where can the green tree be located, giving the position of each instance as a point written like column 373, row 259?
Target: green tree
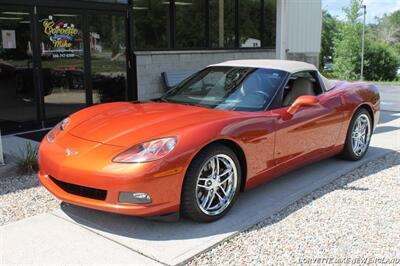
column 395, row 21
column 329, row 30
column 347, row 44
column 250, row 18
column 386, row 29
column 381, row 62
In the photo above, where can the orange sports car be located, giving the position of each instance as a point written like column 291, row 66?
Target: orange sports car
column 225, row 129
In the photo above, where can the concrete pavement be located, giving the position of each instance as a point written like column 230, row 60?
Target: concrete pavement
column 46, row 239
column 77, row 235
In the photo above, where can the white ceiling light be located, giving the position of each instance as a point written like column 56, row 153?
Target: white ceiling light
column 179, row 3
column 183, row 4
column 10, row 18
column 14, row 13
column 64, row 15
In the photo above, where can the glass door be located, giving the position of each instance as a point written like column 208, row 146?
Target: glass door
column 108, row 57
column 61, row 47
column 83, row 59
column 17, row 90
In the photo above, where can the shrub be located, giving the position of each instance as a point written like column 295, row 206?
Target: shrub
column 329, row 75
column 27, row 162
column 381, row 62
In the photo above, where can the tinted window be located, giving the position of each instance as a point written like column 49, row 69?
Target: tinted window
column 151, row 24
column 17, row 94
column 108, row 57
column 312, row 76
column 250, row 23
column 269, row 36
column 301, row 83
column 222, row 23
column 153, row 28
column 229, row 88
column 190, row 24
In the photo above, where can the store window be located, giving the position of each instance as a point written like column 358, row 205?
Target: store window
column 152, row 27
column 61, row 49
column 250, row 23
column 222, row 23
column 108, row 57
column 151, row 24
column 190, row 24
column 17, row 93
column 269, row 39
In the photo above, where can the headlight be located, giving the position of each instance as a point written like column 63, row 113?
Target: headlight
column 57, row 129
column 147, row 151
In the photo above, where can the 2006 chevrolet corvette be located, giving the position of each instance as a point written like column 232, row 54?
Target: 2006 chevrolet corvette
column 227, row 128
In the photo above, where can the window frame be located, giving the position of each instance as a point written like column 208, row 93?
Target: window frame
column 172, row 29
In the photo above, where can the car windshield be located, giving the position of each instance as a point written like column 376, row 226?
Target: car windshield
column 228, row 88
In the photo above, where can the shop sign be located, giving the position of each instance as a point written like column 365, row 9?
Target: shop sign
column 61, row 34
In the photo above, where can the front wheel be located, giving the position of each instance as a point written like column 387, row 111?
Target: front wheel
column 358, row 136
column 211, row 184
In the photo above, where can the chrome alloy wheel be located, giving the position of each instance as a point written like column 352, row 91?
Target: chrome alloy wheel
column 216, row 184
column 361, row 134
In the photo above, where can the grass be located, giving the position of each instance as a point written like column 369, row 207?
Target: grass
column 393, row 82
column 27, row 162
column 396, row 82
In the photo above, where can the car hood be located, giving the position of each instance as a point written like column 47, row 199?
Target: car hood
column 125, row 124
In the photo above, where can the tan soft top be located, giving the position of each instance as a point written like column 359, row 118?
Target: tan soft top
column 285, row 65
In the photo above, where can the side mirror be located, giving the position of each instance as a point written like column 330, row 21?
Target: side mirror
column 305, row 100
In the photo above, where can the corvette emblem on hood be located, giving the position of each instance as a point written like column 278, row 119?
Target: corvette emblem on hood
column 70, row 152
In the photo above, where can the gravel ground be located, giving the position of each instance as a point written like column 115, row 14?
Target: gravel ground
column 353, row 219
column 22, row 197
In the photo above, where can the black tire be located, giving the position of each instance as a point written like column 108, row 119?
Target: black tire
column 348, row 153
column 189, row 204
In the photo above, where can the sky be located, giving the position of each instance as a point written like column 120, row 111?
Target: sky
column 374, row 7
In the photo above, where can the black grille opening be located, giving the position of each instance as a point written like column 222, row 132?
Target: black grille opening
column 82, row 191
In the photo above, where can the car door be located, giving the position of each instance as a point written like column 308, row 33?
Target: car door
column 311, row 132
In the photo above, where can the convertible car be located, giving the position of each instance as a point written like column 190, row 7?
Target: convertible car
column 225, row 129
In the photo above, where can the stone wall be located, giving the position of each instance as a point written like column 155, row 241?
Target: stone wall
column 151, row 64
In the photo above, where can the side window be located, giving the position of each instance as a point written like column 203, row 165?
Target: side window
column 299, row 84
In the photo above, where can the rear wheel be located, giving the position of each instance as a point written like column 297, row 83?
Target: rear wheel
column 358, row 136
column 211, row 184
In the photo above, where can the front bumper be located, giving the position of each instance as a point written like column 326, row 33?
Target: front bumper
column 110, row 204
column 93, row 168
